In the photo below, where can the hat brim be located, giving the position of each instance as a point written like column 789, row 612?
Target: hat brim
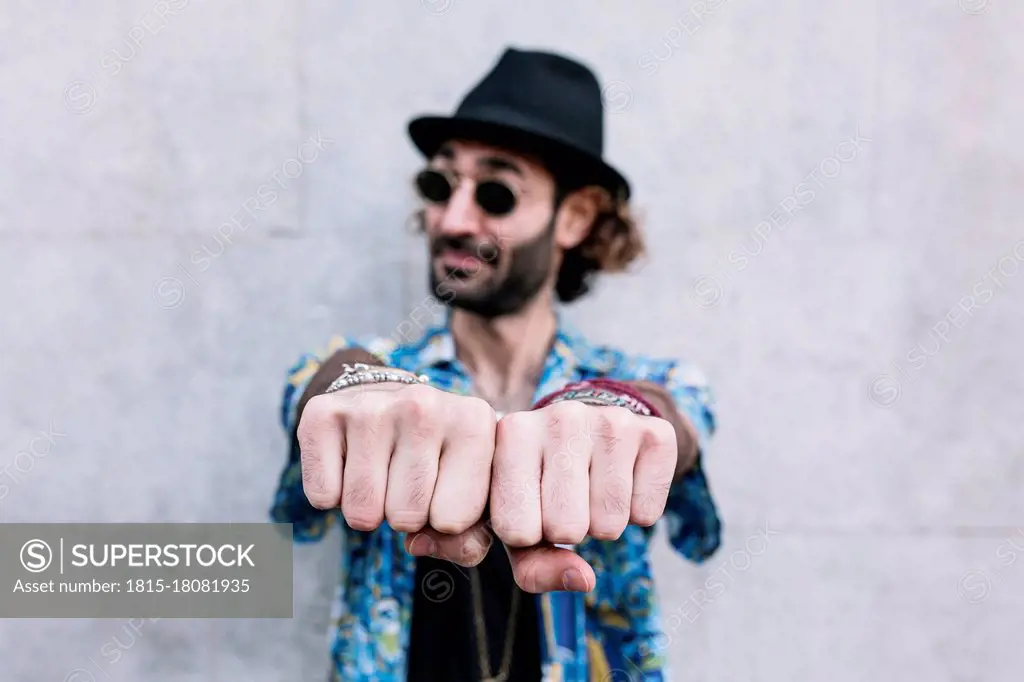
column 429, row 133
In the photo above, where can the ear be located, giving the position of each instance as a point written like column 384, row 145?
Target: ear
column 576, row 215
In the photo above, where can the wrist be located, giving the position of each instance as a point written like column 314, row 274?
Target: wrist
column 362, row 375
column 604, row 393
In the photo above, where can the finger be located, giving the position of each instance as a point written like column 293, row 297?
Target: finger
column 464, row 470
column 544, row 568
column 515, row 503
column 369, row 440
column 321, row 446
column 653, row 471
column 565, row 476
column 414, row 464
column 465, row 549
column 616, row 439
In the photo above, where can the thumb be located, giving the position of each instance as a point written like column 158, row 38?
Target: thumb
column 465, row 549
column 546, row 568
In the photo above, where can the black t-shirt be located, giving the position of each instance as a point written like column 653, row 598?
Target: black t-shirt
column 443, row 646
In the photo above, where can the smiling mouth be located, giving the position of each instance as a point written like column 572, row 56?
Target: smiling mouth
column 461, row 263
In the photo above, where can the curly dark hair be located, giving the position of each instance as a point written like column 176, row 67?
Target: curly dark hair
column 613, row 242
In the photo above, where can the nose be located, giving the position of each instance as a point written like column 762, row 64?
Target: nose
column 461, row 214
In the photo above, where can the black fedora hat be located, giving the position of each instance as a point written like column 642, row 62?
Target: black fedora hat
column 533, row 102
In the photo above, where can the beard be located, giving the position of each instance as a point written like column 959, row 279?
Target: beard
column 507, row 279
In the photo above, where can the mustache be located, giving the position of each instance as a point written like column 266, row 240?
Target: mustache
column 483, row 249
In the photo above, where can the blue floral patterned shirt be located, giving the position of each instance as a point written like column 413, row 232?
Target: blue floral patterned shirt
column 608, row 634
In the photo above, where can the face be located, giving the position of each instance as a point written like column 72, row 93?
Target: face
column 490, row 226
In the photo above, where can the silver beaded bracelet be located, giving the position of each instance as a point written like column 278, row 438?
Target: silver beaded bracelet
column 600, row 397
column 359, row 373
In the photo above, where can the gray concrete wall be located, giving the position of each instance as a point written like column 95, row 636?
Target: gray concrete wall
column 887, row 481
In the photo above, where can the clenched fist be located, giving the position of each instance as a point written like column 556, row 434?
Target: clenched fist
column 429, row 462
column 413, row 455
column 592, row 470
column 568, row 471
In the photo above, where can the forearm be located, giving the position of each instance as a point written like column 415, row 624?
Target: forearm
column 686, row 434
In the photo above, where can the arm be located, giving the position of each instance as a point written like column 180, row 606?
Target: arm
column 310, row 376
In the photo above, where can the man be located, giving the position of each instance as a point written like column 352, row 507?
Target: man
column 498, row 478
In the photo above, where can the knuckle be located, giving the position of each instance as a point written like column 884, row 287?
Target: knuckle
column 566, row 415
column 474, row 410
column 646, row 516
column 516, row 528
column 606, row 529
column 615, row 421
column 409, row 410
column 648, row 506
column 317, row 417
column 603, row 423
column 322, row 502
column 407, row 511
column 566, row 532
column 420, row 428
column 515, row 423
column 363, row 522
column 659, row 435
column 368, row 415
column 472, row 419
column 448, row 521
column 361, row 504
column 529, row 578
column 450, row 525
column 415, row 403
column 615, row 497
column 606, row 429
column 405, row 520
column 318, row 409
column 518, row 536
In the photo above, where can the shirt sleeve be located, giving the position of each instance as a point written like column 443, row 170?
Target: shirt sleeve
column 290, row 505
column 694, row 528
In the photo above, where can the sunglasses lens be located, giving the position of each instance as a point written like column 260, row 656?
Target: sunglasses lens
column 496, row 198
column 433, row 186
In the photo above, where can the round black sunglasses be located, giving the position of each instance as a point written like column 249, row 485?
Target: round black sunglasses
column 494, row 197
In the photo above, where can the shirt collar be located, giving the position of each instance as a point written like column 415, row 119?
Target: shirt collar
column 571, row 351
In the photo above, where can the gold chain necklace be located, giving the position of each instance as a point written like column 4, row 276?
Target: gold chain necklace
column 481, row 631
